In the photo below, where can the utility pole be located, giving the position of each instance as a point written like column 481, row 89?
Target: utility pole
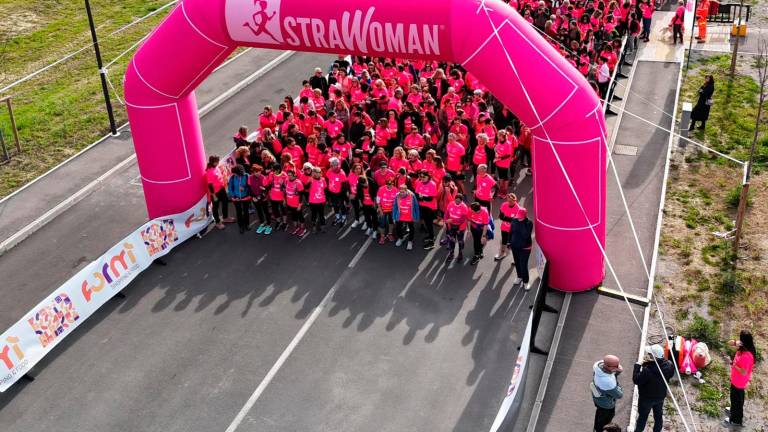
column 735, row 53
column 102, row 72
column 690, row 38
column 762, row 72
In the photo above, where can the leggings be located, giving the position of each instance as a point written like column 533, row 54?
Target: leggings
column 455, row 235
column 296, row 215
column 221, row 201
column 428, row 217
column 317, row 211
column 338, row 204
column 369, row 212
column 406, row 228
column 356, row 208
column 241, row 210
column 262, row 211
column 477, row 240
column 521, row 262
column 277, row 209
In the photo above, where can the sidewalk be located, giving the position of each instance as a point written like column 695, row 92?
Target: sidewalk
column 596, row 325
column 22, row 208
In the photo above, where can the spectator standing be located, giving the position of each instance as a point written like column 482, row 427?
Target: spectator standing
column 677, row 22
column 520, row 243
column 318, row 81
column 240, row 195
column 217, row 193
column 605, row 389
column 651, row 381
column 647, row 7
column 700, row 112
column 741, row 373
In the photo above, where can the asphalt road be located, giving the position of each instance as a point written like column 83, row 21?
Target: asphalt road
column 390, row 340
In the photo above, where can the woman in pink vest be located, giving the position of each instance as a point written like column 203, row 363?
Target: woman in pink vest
column 456, row 217
column 405, row 214
column 385, row 202
column 317, row 199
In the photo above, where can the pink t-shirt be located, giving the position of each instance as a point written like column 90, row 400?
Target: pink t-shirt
column 746, row 361
column 212, row 176
column 317, row 191
column 333, row 128
column 277, row 183
column 508, row 211
column 427, row 189
column 484, row 187
column 404, row 205
column 386, row 198
column 335, row 180
column 479, row 218
column 292, row 193
column 455, row 152
column 457, row 214
column 395, row 164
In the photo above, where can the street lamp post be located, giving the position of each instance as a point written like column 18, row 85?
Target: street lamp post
column 102, row 72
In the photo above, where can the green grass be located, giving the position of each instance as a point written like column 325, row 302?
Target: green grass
column 62, row 110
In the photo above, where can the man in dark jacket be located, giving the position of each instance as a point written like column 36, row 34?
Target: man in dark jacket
column 520, row 243
column 319, row 81
column 651, row 381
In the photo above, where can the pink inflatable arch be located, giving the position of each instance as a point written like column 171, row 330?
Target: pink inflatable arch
column 487, row 37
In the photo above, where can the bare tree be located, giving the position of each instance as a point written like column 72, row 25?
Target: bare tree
column 761, row 64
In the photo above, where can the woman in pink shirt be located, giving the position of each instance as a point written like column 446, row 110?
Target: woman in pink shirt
column 276, row 185
column 456, row 217
column 317, row 199
column 741, row 373
column 385, row 202
column 505, row 155
column 480, row 156
column 405, row 214
column 352, row 179
column 648, row 8
column 217, row 192
column 426, row 194
column 293, row 189
column 485, row 186
column 507, row 212
column 479, row 219
column 455, row 152
column 398, row 160
column 337, row 189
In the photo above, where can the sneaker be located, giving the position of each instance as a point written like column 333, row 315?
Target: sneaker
column 355, row 224
column 518, row 281
column 399, row 242
column 443, row 242
column 369, row 231
column 498, row 257
column 301, row 231
column 475, row 260
column 220, row 225
column 382, row 240
column 449, row 258
column 260, row 229
column 372, row 234
column 229, row 220
column 428, row 245
column 728, row 423
column 296, row 230
column 282, row 226
column 526, row 286
column 343, row 221
column 391, row 237
column 268, row 230
column 364, row 227
column 409, row 246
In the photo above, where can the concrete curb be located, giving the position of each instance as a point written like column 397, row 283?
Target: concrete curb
column 78, row 196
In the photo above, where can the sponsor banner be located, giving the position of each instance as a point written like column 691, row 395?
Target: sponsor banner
column 511, row 403
column 53, row 319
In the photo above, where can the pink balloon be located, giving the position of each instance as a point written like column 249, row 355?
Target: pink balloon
column 488, row 38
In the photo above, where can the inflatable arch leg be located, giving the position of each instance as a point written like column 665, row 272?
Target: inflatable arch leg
column 486, row 36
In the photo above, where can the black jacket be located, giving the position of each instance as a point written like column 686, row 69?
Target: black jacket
column 650, row 383
column 520, row 236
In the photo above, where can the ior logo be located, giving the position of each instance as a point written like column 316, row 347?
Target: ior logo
column 254, row 21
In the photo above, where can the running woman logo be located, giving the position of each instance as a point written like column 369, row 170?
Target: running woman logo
column 254, row 20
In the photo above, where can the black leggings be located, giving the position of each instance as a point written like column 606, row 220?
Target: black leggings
column 521, row 262
column 428, row 217
column 371, row 219
column 241, row 210
column 356, row 208
column 317, row 212
column 338, row 203
column 221, row 201
column 477, row 240
column 277, row 209
column 296, row 215
column 455, row 235
column 262, row 211
column 406, row 228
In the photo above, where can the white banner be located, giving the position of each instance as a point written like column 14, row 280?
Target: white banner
column 42, row 328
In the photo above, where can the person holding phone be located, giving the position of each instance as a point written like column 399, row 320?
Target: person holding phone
column 741, row 373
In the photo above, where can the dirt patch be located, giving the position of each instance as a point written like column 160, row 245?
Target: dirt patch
column 18, row 23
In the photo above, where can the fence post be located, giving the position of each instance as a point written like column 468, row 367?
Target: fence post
column 6, row 156
column 15, row 131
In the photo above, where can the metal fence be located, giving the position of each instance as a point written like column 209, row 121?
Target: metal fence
column 728, row 13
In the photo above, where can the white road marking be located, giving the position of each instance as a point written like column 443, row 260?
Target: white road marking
column 295, row 342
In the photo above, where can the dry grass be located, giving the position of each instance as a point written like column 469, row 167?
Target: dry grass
column 696, row 275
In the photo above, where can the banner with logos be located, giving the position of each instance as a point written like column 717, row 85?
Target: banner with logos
column 513, row 399
column 53, row 319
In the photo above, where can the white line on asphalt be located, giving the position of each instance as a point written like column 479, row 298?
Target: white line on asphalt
column 295, row 342
column 63, row 206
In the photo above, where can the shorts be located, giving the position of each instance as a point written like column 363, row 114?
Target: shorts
column 503, row 173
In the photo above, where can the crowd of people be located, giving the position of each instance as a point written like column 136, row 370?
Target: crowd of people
column 396, row 146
